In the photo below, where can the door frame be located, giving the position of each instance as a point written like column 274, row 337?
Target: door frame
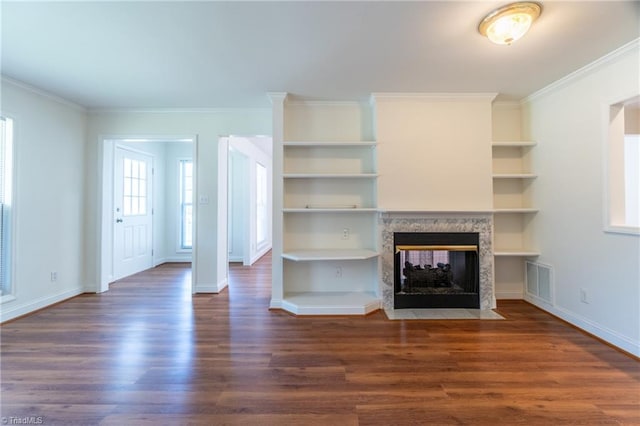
column 104, row 255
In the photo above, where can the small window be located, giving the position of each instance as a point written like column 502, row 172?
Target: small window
column 135, row 187
column 623, row 173
column 261, row 205
column 186, row 204
column 6, row 177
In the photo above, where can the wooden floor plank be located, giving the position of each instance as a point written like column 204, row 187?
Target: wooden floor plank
column 148, row 352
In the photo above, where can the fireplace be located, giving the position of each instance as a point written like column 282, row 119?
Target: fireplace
column 477, row 253
column 436, row 270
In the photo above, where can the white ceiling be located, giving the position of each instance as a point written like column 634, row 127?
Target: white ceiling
column 144, row 54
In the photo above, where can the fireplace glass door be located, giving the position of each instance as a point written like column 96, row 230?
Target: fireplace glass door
column 436, row 270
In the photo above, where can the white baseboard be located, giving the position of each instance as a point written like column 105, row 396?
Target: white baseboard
column 261, row 252
column 172, row 259
column 509, row 295
column 211, row 288
column 275, row 304
column 9, row 313
column 610, row 336
column 177, row 259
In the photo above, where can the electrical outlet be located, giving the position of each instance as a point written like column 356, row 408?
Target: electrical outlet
column 54, row 277
column 339, row 272
column 345, row 233
column 583, row 296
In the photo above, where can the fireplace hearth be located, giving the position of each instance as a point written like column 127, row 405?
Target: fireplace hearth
column 436, row 270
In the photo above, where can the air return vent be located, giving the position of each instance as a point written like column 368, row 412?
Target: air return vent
column 539, row 281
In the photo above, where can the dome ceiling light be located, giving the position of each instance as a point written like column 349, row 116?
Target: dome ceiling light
column 508, row 23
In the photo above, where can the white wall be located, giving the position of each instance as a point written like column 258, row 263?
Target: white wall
column 434, row 152
column 208, row 125
column 49, row 145
column 568, row 122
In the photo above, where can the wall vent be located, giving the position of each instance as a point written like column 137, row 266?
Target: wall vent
column 539, row 281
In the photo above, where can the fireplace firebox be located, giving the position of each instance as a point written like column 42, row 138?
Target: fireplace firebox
column 436, row 270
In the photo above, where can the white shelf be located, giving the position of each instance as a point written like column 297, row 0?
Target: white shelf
column 329, row 175
column 513, row 143
column 516, row 253
column 329, row 254
column 328, row 186
column 514, row 176
column 515, row 210
column 337, row 144
column 331, row 303
column 328, row 210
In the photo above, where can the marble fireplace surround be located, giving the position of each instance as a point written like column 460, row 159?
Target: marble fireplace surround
column 415, row 221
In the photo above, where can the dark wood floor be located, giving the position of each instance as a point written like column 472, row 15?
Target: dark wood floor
column 146, row 352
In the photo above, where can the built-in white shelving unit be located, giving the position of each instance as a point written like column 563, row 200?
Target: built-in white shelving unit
column 329, row 223
column 512, row 181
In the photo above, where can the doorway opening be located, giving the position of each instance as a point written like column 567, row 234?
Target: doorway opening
column 147, row 215
column 247, row 186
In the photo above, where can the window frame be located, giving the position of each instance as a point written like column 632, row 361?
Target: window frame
column 613, row 167
column 264, row 196
column 12, row 216
column 182, row 248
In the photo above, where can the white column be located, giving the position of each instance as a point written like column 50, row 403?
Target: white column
column 277, row 101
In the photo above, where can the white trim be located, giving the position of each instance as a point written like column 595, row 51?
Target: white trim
column 171, row 259
column 14, row 241
column 104, row 249
column 625, row 230
column 277, row 96
column 480, row 96
column 436, row 213
column 43, row 93
column 510, row 295
column 506, row 104
column 11, row 313
column 211, row 288
column 322, row 103
column 212, row 110
column 584, row 71
column 178, row 242
column 6, row 298
column 610, row 336
column 275, row 304
column 608, row 226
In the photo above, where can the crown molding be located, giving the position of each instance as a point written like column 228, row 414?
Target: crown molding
column 586, row 70
column 507, row 104
column 277, row 97
column 43, row 93
column 443, row 97
column 176, row 110
column 312, row 103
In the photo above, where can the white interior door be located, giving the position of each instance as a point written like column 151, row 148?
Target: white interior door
column 132, row 240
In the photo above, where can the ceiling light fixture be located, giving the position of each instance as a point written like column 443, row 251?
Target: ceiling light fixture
column 508, row 23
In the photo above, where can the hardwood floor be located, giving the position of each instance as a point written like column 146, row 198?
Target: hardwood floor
column 146, row 352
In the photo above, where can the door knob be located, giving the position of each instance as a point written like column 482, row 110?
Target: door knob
column 118, row 220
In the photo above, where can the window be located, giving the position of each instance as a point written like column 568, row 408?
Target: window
column 261, row 204
column 135, row 187
column 6, row 174
column 186, row 204
column 623, row 172
column 632, row 179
